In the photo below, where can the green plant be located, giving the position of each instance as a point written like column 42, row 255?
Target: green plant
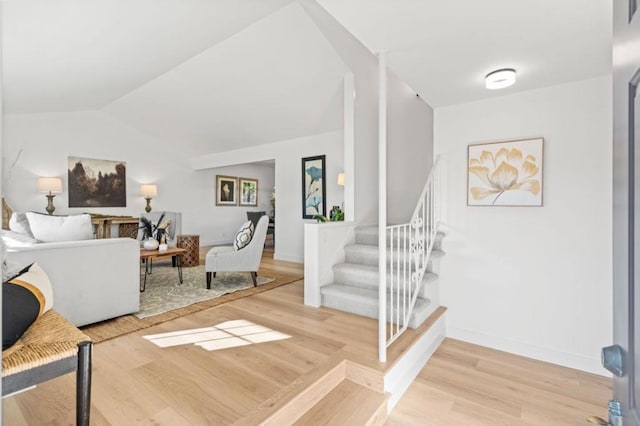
column 337, row 216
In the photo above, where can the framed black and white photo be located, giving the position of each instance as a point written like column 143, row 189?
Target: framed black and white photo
column 314, row 191
column 226, row 190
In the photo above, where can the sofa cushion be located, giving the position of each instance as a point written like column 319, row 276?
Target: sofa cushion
column 48, row 228
column 24, row 298
column 243, row 236
column 20, row 224
column 16, row 240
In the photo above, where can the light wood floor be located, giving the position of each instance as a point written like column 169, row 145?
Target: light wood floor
column 465, row 384
column 135, row 381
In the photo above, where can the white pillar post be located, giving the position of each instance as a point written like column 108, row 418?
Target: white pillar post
column 382, row 206
column 349, row 148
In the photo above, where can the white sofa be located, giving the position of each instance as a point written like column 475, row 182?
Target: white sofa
column 93, row 280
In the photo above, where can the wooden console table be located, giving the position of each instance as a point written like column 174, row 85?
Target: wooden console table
column 127, row 225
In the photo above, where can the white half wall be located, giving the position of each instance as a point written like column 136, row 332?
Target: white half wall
column 288, row 156
column 535, row 281
column 39, row 144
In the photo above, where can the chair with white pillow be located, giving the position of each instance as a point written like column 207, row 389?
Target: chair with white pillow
column 232, row 259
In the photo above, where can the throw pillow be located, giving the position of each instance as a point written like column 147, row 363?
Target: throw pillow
column 243, row 237
column 20, row 224
column 9, row 268
column 48, row 228
column 24, row 298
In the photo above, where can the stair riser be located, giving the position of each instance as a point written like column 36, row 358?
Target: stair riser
column 372, row 239
column 369, row 280
column 370, row 258
column 369, row 308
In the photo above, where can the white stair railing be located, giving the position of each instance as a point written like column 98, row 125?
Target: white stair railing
column 408, row 251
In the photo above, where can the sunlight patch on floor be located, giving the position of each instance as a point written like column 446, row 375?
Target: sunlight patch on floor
column 229, row 334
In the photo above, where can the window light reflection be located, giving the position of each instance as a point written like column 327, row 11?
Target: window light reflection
column 229, row 334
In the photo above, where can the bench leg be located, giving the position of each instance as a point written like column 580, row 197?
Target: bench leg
column 83, row 384
column 208, row 280
column 254, row 276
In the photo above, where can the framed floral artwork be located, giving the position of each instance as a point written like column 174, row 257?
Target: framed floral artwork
column 248, row 191
column 226, row 190
column 505, row 173
column 314, row 191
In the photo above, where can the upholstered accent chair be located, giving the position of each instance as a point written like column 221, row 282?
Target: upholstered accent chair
column 247, row 259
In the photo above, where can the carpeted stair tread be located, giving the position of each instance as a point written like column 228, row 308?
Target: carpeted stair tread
column 362, row 301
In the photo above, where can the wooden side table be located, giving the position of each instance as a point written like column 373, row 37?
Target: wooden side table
column 191, row 243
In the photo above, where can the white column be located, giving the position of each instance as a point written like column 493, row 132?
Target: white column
column 382, row 206
column 349, row 147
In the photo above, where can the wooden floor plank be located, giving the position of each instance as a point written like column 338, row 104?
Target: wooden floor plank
column 465, row 384
column 136, row 381
column 347, row 404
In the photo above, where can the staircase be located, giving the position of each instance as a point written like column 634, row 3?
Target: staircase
column 355, row 286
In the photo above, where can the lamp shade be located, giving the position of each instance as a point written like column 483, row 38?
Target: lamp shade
column 341, row 179
column 50, row 184
column 148, row 190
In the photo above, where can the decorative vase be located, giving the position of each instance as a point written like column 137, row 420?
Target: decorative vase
column 150, row 244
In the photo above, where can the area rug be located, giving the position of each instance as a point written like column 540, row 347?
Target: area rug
column 163, row 292
column 126, row 324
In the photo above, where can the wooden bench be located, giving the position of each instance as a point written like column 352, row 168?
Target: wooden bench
column 51, row 347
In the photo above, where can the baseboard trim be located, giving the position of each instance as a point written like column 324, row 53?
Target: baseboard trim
column 215, row 243
column 565, row 359
column 401, row 375
column 288, row 257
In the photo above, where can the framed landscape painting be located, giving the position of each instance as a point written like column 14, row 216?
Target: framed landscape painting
column 314, row 191
column 226, row 190
column 97, row 183
column 505, row 173
column 248, row 191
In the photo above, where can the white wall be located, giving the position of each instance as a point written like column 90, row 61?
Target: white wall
column 39, row 145
column 409, row 149
column 534, row 281
column 410, row 128
column 364, row 66
column 288, row 157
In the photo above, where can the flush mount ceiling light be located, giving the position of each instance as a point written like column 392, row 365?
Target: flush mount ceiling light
column 499, row 79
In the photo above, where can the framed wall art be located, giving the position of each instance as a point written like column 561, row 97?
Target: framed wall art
column 248, row 191
column 226, row 190
column 97, row 183
column 314, row 191
column 505, row 173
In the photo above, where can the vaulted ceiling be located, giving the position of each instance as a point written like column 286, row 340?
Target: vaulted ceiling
column 443, row 49
column 213, row 75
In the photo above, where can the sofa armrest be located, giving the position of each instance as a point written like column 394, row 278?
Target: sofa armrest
column 92, row 280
